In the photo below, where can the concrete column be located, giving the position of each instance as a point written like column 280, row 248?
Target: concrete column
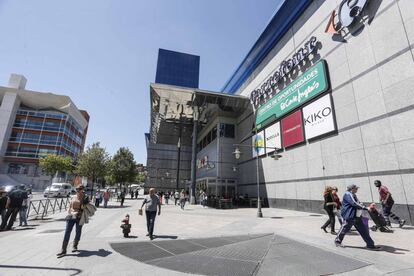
column 8, row 109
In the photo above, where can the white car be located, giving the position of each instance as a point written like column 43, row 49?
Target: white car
column 58, row 190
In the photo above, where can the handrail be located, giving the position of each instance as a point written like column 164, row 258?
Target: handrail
column 43, row 207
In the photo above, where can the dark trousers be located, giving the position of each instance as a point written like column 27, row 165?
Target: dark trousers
column 176, row 199
column 12, row 214
column 69, row 226
column 360, row 227
column 122, row 201
column 150, row 221
column 330, row 221
column 386, row 211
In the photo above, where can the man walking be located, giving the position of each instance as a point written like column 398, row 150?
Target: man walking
column 387, row 202
column 106, row 196
column 13, row 206
column 351, row 213
column 176, row 196
column 151, row 203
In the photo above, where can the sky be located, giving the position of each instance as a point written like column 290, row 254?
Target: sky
column 103, row 53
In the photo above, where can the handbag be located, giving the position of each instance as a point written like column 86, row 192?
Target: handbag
column 140, row 212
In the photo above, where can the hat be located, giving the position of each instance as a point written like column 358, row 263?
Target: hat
column 351, row 186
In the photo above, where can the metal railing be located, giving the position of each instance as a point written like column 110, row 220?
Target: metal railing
column 43, row 207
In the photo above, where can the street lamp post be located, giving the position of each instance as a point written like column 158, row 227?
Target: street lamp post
column 237, row 154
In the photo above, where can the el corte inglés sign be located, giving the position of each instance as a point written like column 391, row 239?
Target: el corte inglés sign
column 307, row 86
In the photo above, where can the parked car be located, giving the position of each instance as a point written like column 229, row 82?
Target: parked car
column 58, row 190
column 9, row 188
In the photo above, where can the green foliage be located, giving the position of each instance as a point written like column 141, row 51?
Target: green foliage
column 93, row 163
column 122, row 167
column 53, row 163
column 140, row 178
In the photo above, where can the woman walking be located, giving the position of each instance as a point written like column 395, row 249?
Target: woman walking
column 329, row 208
column 75, row 213
column 337, row 210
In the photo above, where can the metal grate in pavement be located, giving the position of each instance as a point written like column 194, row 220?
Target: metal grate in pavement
column 141, row 251
column 207, row 265
column 251, row 250
column 261, row 255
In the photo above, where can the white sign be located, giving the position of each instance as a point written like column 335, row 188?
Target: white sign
column 318, row 117
column 273, row 138
column 258, row 144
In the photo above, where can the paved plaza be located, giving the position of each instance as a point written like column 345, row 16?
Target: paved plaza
column 203, row 242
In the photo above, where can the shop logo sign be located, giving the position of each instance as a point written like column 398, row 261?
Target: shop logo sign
column 268, row 87
column 292, row 130
column 273, row 138
column 306, row 87
column 203, row 162
column 347, row 13
column 318, row 117
column 258, row 143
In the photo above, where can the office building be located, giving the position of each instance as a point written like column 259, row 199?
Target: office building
column 34, row 124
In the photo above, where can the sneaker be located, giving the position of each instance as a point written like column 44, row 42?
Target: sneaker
column 374, row 247
column 324, row 229
column 338, row 244
column 334, row 233
column 147, row 235
column 402, row 222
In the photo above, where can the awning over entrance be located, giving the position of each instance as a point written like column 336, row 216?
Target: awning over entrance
column 172, row 106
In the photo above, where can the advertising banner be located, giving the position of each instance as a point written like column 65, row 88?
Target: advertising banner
column 318, row 117
column 273, row 138
column 258, row 144
column 292, row 130
column 307, row 86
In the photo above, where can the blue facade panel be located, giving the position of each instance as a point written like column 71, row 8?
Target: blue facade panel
column 285, row 16
column 176, row 68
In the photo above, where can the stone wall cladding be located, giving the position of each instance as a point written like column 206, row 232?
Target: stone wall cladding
column 372, row 85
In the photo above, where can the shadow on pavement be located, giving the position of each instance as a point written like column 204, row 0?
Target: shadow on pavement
column 131, row 237
column 22, row 229
column 72, row 271
column 165, row 237
column 385, row 248
column 86, row 253
column 114, row 207
column 407, row 228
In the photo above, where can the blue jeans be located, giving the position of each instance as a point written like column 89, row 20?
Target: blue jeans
column 23, row 216
column 360, row 227
column 69, row 226
column 150, row 221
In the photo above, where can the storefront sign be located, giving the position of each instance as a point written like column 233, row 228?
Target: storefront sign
column 258, row 144
column 348, row 12
column 318, row 117
column 273, row 138
column 292, row 130
column 267, row 89
column 203, row 162
column 310, row 84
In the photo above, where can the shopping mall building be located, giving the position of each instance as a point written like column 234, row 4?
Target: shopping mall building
column 328, row 85
column 34, row 124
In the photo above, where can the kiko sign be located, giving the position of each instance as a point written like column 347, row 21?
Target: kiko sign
column 318, row 117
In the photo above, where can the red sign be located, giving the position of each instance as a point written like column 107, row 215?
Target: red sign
column 292, row 129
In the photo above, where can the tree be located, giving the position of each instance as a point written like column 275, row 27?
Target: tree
column 140, row 178
column 52, row 164
column 122, row 167
column 93, row 163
